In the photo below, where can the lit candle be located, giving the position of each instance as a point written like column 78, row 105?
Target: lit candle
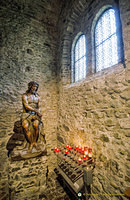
column 79, row 160
column 55, row 149
column 77, row 147
column 86, row 151
column 66, row 152
column 82, row 150
column 85, row 148
column 67, row 146
column 84, row 157
column 70, row 147
column 89, row 152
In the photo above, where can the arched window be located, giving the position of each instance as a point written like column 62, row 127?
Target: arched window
column 106, row 40
column 78, row 58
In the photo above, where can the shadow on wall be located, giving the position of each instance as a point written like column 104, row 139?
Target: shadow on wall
column 17, row 139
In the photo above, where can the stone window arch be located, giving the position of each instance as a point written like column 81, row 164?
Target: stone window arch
column 106, row 39
column 78, row 58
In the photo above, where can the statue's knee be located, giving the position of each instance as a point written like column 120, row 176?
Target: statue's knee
column 25, row 125
column 36, row 123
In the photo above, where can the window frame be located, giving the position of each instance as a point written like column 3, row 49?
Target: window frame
column 75, row 41
column 120, row 48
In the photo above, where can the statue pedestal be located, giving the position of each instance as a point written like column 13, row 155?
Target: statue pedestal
column 23, row 154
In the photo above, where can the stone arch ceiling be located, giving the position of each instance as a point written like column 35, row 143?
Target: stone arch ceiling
column 76, row 9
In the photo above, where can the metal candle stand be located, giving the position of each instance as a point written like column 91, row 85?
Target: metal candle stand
column 74, row 170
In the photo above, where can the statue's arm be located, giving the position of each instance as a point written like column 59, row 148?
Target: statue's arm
column 39, row 103
column 39, row 107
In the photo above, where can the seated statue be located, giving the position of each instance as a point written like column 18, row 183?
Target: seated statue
column 31, row 116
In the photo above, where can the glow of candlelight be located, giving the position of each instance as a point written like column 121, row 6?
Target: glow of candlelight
column 89, row 152
column 82, row 150
column 79, row 160
column 55, row 149
column 66, row 152
column 84, row 157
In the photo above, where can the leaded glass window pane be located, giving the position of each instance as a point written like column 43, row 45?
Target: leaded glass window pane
column 106, row 41
column 79, row 61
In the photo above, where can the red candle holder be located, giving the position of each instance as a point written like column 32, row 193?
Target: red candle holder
column 82, row 150
column 85, row 148
column 89, row 152
column 57, row 150
column 84, row 157
column 67, row 146
column 77, row 147
column 66, row 152
column 79, row 160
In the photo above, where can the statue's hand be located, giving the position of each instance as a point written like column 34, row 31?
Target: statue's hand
column 39, row 114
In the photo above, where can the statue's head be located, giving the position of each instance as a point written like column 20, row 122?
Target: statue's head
column 32, row 84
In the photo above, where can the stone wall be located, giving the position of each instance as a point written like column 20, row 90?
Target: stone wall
column 28, row 45
column 95, row 111
column 28, row 181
